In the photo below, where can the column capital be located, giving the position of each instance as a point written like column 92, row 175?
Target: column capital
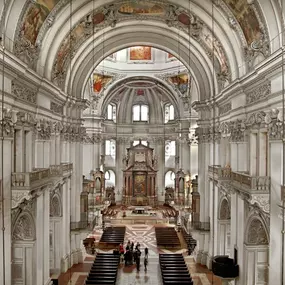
column 8, row 119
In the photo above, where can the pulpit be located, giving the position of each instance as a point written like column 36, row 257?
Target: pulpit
column 140, row 176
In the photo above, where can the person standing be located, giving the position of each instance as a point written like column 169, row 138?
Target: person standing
column 138, row 258
column 145, row 259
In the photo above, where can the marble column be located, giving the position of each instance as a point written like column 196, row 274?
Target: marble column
column 120, row 154
column 275, row 255
column 40, row 256
column 160, row 176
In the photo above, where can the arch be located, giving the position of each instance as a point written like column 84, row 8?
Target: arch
column 224, row 209
column 24, row 228
column 256, row 231
column 111, row 182
column 169, row 179
column 55, row 206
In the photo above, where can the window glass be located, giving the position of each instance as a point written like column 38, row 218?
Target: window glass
column 136, row 113
column 110, row 112
column 171, row 112
column 144, row 113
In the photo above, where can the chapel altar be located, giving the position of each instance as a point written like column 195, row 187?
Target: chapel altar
column 140, row 176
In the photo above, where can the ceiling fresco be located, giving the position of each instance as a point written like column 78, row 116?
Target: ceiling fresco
column 247, row 19
column 35, row 17
column 38, row 16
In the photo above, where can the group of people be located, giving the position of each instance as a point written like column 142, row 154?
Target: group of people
column 132, row 254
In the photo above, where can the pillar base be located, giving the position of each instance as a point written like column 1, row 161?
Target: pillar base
column 199, row 256
column 209, row 262
column 49, row 282
column 65, row 263
column 204, row 258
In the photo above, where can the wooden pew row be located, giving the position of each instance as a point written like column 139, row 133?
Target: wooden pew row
column 174, row 269
column 104, row 270
column 166, row 237
column 113, row 235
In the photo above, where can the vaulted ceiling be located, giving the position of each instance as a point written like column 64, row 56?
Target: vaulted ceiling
column 218, row 41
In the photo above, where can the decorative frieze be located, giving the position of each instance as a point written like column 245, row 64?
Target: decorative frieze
column 56, row 108
column 258, row 93
column 23, row 92
column 92, row 138
column 43, row 129
column 225, row 108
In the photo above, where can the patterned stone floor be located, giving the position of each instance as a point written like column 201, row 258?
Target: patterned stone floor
column 145, row 235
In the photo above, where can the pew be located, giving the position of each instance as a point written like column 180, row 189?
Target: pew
column 174, row 270
column 104, row 270
column 167, row 237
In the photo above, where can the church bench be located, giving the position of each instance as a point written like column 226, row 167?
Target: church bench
column 103, row 271
column 166, row 282
column 99, row 282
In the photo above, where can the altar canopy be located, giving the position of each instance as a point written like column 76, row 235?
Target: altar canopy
column 140, row 176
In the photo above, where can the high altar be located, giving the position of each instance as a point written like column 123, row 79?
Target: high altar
column 140, row 176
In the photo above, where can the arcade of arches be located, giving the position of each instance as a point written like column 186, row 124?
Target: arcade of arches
column 142, row 113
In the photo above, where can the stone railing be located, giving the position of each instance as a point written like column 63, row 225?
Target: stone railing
column 39, row 176
column 200, row 226
column 219, row 173
column 66, row 167
column 27, row 179
column 251, row 183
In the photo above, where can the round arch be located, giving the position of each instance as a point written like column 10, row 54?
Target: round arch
column 55, row 206
column 24, row 227
column 256, row 232
column 224, row 209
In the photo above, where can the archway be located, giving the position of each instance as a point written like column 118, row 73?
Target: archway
column 256, row 251
column 224, row 225
column 23, row 249
column 55, row 233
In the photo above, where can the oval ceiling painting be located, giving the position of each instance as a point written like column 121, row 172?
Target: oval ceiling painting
column 141, row 8
column 98, row 18
column 184, row 19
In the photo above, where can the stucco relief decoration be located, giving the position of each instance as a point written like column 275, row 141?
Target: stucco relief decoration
column 157, row 10
column 55, row 207
column 256, row 120
column 258, row 93
column 262, row 201
column 237, row 130
column 256, row 233
column 23, row 92
column 273, row 122
column 56, row 108
column 225, row 212
column 24, row 228
column 43, row 129
column 225, row 108
column 8, row 120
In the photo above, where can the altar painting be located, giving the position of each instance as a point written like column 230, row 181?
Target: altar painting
column 35, row 17
column 100, row 81
column 141, row 8
column 140, row 53
column 246, row 18
column 181, row 81
column 140, row 185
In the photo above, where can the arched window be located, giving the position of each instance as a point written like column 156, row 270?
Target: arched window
column 110, row 148
column 111, row 112
column 142, row 142
column 168, row 113
column 107, row 175
column 140, row 113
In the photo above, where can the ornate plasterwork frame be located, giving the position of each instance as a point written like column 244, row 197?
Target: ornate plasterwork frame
column 113, row 17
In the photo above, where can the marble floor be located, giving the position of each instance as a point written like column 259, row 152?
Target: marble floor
column 145, row 235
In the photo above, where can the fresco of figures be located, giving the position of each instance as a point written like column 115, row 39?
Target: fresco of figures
column 181, row 81
column 211, row 42
column 247, row 19
column 140, row 53
column 100, row 81
column 35, row 17
column 141, row 7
